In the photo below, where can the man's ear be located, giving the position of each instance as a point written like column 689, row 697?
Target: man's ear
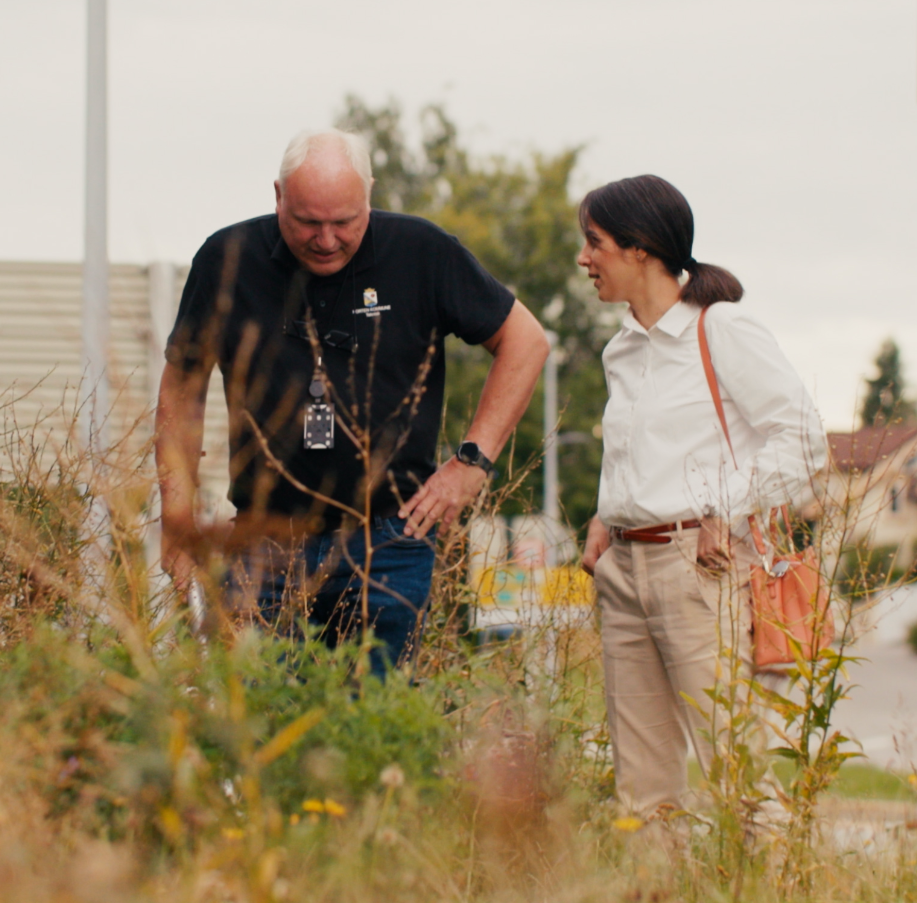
column 277, row 192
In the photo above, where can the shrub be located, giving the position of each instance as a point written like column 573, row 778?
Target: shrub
column 201, row 734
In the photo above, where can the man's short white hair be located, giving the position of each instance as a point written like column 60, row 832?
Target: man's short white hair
column 355, row 147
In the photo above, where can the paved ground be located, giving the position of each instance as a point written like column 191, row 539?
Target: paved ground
column 881, row 712
column 882, row 709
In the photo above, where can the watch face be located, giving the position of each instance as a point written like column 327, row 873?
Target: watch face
column 468, row 452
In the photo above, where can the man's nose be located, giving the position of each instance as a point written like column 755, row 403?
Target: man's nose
column 325, row 238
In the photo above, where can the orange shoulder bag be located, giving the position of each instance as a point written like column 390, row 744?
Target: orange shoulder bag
column 789, row 596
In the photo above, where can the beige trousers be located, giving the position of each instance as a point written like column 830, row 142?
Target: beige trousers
column 669, row 630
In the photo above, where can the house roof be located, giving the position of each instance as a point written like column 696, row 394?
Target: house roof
column 867, row 447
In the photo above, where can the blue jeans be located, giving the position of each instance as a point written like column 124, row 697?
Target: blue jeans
column 319, row 581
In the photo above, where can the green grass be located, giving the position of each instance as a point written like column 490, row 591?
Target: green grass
column 858, row 780
column 855, row 781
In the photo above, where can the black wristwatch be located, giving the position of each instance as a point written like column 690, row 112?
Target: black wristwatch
column 469, row 453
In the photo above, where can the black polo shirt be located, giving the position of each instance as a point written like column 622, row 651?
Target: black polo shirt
column 244, row 307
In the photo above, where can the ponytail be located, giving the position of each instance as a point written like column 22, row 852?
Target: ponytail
column 708, row 284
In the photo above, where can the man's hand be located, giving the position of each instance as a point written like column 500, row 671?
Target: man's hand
column 177, row 559
column 597, row 541
column 179, row 565
column 714, row 545
column 443, row 497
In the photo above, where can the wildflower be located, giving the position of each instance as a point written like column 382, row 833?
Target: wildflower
column 628, row 824
column 335, row 810
column 294, row 819
column 171, row 823
column 233, row 833
column 392, row 776
column 912, row 780
column 328, row 807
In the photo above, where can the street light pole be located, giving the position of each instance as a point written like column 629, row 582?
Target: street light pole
column 551, row 498
column 94, row 397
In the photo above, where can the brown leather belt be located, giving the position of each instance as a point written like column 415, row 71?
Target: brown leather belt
column 651, row 534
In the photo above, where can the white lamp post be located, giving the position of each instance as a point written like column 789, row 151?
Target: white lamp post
column 96, row 308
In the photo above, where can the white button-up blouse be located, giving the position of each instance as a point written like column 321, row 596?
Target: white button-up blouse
column 665, row 455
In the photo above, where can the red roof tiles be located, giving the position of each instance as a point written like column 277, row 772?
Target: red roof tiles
column 867, row 447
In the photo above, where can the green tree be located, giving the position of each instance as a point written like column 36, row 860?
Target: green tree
column 885, row 403
column 517, row 218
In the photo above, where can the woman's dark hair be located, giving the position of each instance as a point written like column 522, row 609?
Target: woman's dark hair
column 649, row 213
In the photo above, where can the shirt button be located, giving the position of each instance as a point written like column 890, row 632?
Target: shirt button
column 321, row 303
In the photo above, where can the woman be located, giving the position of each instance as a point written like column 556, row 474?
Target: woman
column 669, row 547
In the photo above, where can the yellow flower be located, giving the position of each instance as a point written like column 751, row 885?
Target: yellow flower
column 171, row 823
column 329, row 807
column 629, row 824
column 294, row 819
column 233, row 833
column 912, row 780
column 335, row 810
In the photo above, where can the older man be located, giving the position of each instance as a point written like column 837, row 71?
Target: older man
column 327, row 321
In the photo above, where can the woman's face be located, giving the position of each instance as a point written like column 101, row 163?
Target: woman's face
column 612, row 268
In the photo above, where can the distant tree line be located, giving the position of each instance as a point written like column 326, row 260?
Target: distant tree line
column 517, row 218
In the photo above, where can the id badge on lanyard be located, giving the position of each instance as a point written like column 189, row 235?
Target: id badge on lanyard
column 318, row 420
column 318, row 416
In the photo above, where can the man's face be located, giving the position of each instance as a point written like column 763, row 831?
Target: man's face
column 323, row 213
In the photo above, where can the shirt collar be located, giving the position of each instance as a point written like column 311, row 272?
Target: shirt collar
column 362, row 260
column 674, row 322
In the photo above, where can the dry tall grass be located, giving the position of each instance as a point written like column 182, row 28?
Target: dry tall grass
column 138, row 764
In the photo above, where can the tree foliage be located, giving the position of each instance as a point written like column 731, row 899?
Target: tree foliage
column 885, row 403
column 517, row 218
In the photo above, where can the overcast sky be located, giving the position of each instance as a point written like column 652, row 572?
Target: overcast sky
column 790, row 125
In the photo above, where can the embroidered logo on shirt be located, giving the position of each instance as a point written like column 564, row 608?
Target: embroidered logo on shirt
column 371, row 306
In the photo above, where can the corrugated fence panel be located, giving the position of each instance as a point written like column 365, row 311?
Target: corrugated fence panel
column 40, row 361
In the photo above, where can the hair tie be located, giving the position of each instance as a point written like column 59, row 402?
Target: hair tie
column 690, row 265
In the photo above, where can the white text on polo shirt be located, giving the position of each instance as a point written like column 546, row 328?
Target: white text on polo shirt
column 372, row 311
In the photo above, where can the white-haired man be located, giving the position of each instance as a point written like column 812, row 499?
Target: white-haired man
column 327, row 321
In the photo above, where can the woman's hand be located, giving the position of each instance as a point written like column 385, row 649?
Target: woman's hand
column 714, row 545
column 597, row 541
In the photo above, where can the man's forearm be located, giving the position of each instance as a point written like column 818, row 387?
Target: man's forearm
column 520, row 349
column 179, row 441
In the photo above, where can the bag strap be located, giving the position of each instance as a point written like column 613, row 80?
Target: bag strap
column 710, row 373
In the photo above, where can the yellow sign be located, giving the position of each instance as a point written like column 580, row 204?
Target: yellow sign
column 514, row 587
